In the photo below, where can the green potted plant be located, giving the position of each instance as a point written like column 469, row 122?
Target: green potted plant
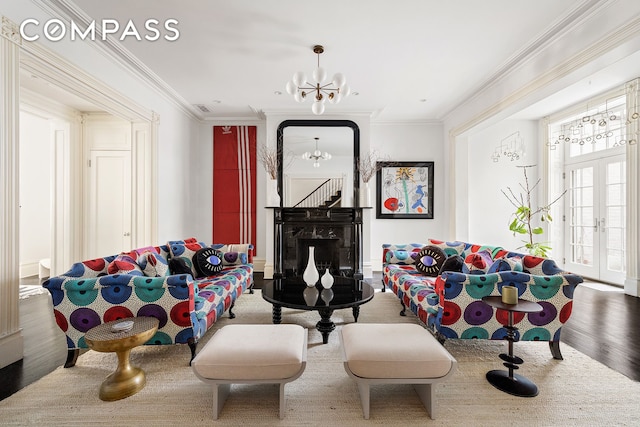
column 523, row 219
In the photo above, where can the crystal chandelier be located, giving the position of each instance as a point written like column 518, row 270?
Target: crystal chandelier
column 316, row 155
column 320, row 90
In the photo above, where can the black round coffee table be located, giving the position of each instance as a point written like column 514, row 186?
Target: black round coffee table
column 346, row 292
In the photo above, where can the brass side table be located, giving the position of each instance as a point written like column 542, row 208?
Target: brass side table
column 507, row 381
column 126, row 380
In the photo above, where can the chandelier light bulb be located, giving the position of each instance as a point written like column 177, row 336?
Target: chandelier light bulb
column 339, row 80
column 336, row 98
column 319, row 75
column 316, row 164
column 345, row 90
column 291, row 88
column 317, row 108
column 298, row 96
column 299, row 79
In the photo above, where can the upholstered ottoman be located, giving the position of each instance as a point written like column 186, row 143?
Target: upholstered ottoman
column 251, row 354
column 399, row 353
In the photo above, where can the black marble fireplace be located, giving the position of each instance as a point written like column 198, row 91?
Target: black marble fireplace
column 336, row 234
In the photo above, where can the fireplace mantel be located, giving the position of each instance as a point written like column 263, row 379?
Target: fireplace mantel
column 336, row 232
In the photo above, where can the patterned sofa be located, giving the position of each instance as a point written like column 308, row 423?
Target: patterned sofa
column 449, row 302
column 155, row 281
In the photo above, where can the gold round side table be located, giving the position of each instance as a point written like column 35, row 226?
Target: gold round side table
column 126, row 380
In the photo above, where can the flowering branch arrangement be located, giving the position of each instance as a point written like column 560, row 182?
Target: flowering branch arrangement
column 268, row 156
column 270, row 159
column 368, row 165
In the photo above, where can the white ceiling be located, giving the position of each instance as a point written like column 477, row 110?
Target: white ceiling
column 406, row 59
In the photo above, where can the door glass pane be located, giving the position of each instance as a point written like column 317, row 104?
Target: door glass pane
column 614, row 221
column 581, row 216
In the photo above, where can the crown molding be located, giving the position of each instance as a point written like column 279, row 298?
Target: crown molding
column 67, row 11
column 52, row 68
column 581, row 13
column 614, row 40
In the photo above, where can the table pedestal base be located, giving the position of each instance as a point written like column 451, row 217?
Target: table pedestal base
column 126, row 381
column 516, row 384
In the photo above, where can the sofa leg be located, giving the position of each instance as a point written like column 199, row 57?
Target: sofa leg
column 72, row 357
column 232, row 315
column 404, row 309
column 192, row 346
column 555, row 350
column 384, row 287
column 251, row 287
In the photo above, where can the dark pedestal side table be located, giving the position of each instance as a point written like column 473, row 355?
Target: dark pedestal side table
column 507, row 381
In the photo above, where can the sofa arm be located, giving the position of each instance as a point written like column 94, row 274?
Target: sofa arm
column 466, row 317
column 82, row 303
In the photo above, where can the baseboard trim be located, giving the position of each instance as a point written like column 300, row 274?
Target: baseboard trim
column 11, row 348
column 28, row 269
column 632, row 287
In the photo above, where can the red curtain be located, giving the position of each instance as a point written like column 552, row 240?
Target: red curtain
column 234, row 184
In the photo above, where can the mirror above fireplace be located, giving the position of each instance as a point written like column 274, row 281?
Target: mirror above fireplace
column 302, row 174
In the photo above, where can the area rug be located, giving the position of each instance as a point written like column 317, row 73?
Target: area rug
column 574, row 391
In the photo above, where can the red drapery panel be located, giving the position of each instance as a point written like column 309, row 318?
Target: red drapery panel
column 234, row 184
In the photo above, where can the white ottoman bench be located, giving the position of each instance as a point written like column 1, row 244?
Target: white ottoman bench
column 251, row 354
column 399, row 353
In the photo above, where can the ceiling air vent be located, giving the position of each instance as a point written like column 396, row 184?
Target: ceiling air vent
column 203, row 108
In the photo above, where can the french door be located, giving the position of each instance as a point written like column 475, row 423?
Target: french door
column 595, row 218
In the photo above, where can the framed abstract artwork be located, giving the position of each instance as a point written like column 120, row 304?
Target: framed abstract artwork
column 404, row 190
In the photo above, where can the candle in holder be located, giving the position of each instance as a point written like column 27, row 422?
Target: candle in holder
column 509, row 295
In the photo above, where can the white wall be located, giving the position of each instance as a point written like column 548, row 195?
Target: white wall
column 489, row 211
column 178, row 131
column 35, row 192
column 408, row 142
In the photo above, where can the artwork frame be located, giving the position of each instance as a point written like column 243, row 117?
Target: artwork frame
column 411, row 183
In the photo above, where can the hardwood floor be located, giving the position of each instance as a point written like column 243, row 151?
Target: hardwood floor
column 604, row 325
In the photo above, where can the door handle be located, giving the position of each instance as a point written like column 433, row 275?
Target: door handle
column 127, row 234
column 602, row 228
column 595, row 224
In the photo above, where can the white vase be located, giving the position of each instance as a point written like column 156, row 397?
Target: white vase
column 327, row 280
column 273, row 198
column 310, row 295
column 311, row 275
column 365, row 196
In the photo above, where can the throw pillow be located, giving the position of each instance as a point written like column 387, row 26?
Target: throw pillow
column 243, row 249
column 186, row 251
column 179, row 266
column 499, row 265
column 153, row 264
column 234, row 258
column 452, row 263
column 207, row 262
column 124, row 264
column 477, row 262
column 430, row 260
column 449, row 248
column 400, row 256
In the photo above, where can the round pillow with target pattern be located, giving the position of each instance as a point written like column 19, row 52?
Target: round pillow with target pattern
column 430, row 260
column 207, row 262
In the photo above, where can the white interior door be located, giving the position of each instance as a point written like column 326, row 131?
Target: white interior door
column 109, row 206
column 596, row 219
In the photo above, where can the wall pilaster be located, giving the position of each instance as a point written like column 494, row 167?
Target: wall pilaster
column 11, row 341
column 632, row 282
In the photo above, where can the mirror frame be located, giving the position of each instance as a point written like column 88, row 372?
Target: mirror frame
column 321, row 123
